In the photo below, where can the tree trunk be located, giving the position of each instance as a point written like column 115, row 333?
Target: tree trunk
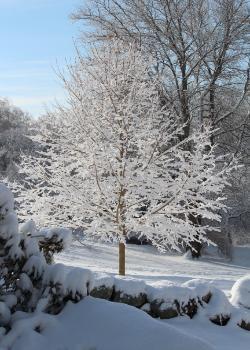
column 122, row 259
column 195, row 246
column 212, row 110
column 185, row 103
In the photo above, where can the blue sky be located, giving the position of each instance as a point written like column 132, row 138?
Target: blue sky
column 35, row 36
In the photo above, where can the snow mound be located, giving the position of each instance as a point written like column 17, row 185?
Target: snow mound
column 201, row 288
column 78, row 282
column 241, row 314
column 167, row 291
column 240, row 293
column 129, row 286
column 64, row 234
column 219, row 305
column 199, row 285
column 54, row 274
column 100, row 325
column 103, row 280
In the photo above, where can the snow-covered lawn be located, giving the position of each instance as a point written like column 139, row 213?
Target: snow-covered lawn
column 145, row 262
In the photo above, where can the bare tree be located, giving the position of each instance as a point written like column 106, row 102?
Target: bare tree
column 201, row 46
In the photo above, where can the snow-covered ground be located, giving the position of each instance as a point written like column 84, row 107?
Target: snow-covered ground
column 95, row 324
column 145, row 262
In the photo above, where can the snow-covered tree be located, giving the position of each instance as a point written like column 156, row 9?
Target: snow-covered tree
column 14, row 126
column 113, row 160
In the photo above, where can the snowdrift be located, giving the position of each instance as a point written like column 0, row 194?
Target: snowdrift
column 95, row 324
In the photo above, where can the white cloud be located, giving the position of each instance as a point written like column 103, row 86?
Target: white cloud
column 36, row 105
column 23, row 101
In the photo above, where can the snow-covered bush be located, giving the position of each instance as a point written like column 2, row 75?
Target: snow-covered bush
column 28, row 280
column 241, row 317
column 169, row 300
column 219, row 308
column 130, row 291
column 203, row 290
column 63, row 285
column 103, row 287
column 240, row 293
column 240, row 298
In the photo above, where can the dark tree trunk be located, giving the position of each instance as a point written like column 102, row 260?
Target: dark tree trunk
column 195, row 246
column 185, row 103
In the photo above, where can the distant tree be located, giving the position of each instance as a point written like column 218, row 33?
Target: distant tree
column 201, row 47
column 14, row 128
column 235, row 139
column 115, row 149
